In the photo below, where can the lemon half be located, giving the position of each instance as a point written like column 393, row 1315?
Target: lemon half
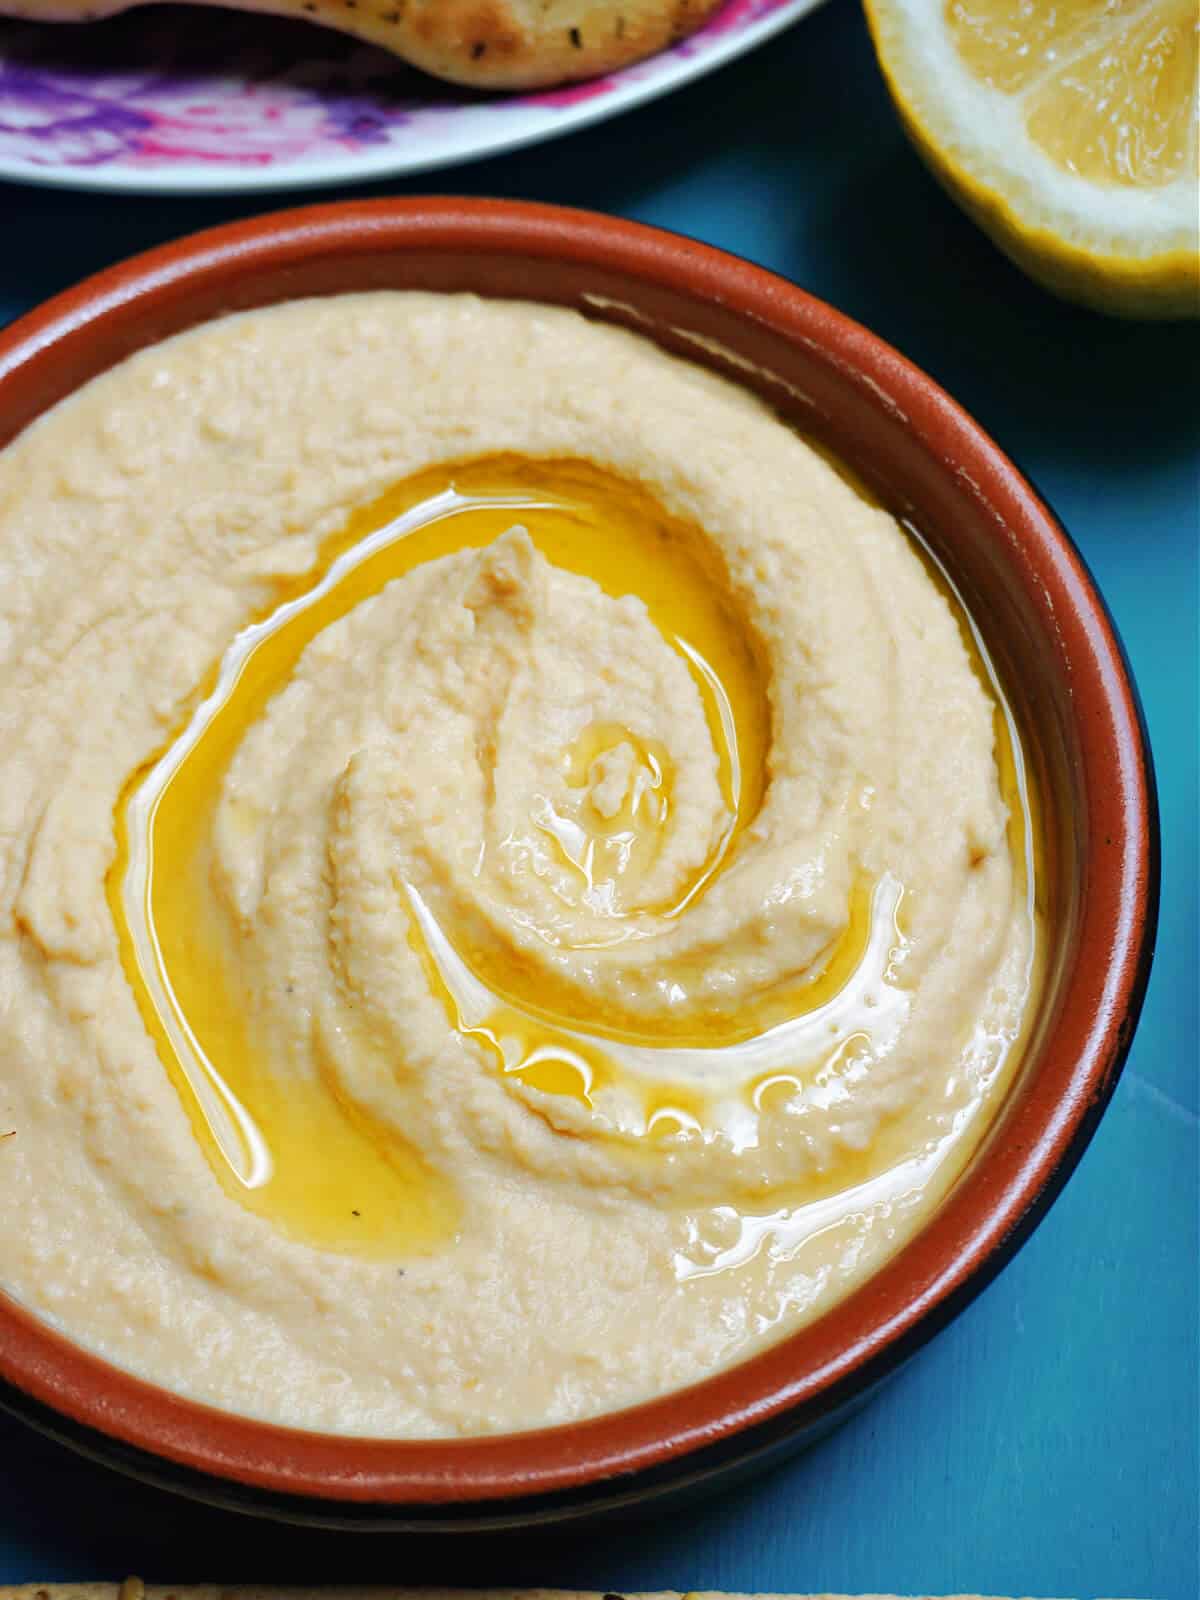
column 1067, row 129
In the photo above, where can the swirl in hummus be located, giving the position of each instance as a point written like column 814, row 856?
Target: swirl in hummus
column 516, row 880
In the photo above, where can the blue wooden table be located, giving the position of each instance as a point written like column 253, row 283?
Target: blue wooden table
column 1047, row 1443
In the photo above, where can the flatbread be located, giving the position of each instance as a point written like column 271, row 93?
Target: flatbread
column 523, row 44
column 487, row 44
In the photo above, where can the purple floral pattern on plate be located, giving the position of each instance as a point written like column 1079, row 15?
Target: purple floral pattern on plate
column 180, row 98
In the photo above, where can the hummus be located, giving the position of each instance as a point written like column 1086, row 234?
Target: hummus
column 515, row 879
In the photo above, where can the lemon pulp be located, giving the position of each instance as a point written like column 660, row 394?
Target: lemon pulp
column 1106, row 90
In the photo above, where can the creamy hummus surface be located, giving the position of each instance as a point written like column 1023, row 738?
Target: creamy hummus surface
column 515, row 884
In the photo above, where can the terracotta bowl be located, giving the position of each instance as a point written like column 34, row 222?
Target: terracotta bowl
column 1054, row 645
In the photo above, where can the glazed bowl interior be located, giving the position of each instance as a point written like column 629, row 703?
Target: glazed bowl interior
column 1062, row 670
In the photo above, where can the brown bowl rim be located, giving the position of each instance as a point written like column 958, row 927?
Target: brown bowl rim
column 994, row 1207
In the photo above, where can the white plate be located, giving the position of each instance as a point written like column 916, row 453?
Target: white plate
column 171, row 101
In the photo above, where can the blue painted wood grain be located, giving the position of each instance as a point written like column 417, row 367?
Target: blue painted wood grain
column 1047, row 1442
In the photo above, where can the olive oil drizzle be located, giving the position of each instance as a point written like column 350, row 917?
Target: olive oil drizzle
column 664, row 1087
column 293, row 1149
column 296, row 1150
